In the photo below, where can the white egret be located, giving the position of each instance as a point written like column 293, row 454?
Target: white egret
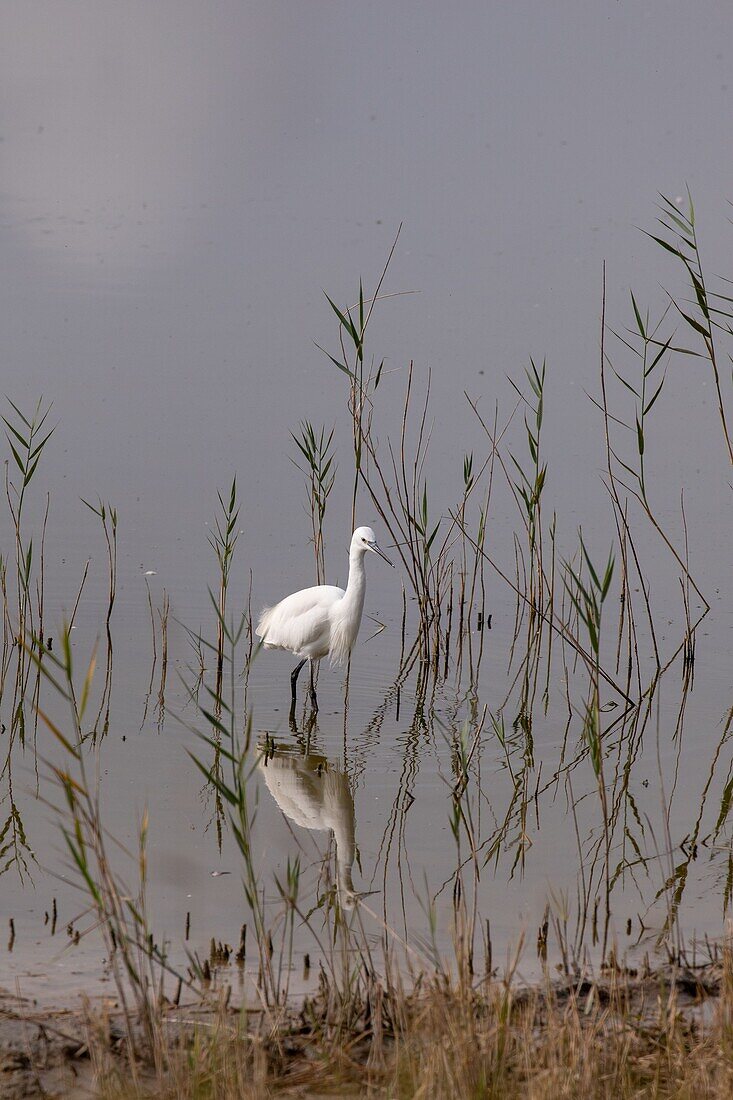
column 322, row 621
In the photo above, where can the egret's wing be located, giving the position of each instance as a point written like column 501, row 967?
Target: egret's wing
column 300, row 623
column 297, row 790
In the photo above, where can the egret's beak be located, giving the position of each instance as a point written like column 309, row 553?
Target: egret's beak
column 352, row 898
column 373, row 546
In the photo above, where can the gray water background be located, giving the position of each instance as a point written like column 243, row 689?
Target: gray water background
column 180, row 183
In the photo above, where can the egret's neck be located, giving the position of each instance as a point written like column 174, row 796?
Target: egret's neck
column 357, row 575
column 343, row 832
column 343, row 826
column 345, row 613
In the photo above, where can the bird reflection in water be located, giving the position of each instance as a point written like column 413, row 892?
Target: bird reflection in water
column 314, row 794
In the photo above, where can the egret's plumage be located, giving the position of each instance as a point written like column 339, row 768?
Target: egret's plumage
column 322, row 621
column 302, row 623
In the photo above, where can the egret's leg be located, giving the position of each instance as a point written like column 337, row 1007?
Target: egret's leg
column 294, row 679
column 310, row 724
column 314, row 697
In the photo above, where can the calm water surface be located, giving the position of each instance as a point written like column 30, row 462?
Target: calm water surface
column 178, row 189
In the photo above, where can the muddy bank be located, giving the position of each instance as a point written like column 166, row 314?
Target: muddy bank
column 618, row 1029
column 42, row 1052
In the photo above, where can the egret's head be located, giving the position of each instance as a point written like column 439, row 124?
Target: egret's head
column 364, row 539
